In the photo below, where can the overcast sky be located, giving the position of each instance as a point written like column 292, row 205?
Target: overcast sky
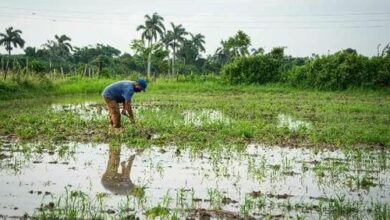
column 303, row 26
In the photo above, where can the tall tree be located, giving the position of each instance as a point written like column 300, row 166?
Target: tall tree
column 10, row 39
column 198, row 41
column 239, row 44
column 64, row 46
column 177, row 38
column 152, row 29
column 235, row 46
column 166, row 39
column 223, row 53
column 141, row 51
column 190, row 51
column 50, row 49
column 59, row 48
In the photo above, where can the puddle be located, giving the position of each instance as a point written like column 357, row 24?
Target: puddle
column 97, row 111
column 87, row 110
column 205, row 116
column 291, row 123
column 260, row 181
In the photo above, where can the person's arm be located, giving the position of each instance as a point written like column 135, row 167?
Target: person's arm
column 127, row 107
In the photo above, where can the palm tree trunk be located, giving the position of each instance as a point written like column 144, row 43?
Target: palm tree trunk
column 14, row 68
column 149, row 63
column 173, row 61
column 169, row 65
column 27, row 66
column 149, row 58
column 6, row 70
column 62, row 72
column 6, row 66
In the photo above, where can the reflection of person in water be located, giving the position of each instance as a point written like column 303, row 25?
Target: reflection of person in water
column 118, row 183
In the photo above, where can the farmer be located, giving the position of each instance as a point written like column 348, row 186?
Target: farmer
column 121, row 92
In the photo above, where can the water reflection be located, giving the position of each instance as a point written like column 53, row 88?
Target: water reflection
column 112, row 180
column 229, row 180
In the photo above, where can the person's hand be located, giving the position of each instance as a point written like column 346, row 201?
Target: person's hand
column 124, row 112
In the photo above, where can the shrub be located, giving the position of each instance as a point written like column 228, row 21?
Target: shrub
column 37, row 66
column 253, row 69
column 338, row 71
column 380, row 69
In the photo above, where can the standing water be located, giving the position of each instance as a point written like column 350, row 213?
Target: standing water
column 257, row 182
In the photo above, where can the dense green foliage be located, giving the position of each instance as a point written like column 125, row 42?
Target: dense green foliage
column 341, row 70
column 256, row 69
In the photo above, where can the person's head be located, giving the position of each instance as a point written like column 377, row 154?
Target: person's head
column 140, row 85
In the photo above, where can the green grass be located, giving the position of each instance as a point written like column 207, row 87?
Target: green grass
column 349, row 118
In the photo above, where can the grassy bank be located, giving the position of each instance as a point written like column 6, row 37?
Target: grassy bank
column 204, row 113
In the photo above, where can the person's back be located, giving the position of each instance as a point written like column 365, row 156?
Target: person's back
column 119, row 91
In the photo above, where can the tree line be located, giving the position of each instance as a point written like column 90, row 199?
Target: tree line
column 158, row 51
column 173, row 50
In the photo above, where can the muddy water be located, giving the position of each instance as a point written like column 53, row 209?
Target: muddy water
column 298, row 176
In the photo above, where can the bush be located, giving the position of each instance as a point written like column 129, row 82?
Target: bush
column 106, row 72
column 338, row 71
column 380, row 67
column 253, row 69
column 37, row 66
column 341, row 70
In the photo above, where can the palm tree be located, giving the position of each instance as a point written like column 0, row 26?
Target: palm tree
column 223, row 52
column 153, row 28
column 50, row 47
column 177, row 38
column 63, row 45
column 239, row 44
column 11, row 39
column 58, row 48
column 198, row 41
column 166, row 39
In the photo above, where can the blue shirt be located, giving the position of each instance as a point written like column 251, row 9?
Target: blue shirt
column 119, row 91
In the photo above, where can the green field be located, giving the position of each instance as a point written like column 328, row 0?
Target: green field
column 354, row 118
column 270, row 136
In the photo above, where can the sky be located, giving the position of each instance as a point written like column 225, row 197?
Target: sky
column 303, row 26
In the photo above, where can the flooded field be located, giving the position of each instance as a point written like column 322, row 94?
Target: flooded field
column 257, row 182
column 218, row 180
